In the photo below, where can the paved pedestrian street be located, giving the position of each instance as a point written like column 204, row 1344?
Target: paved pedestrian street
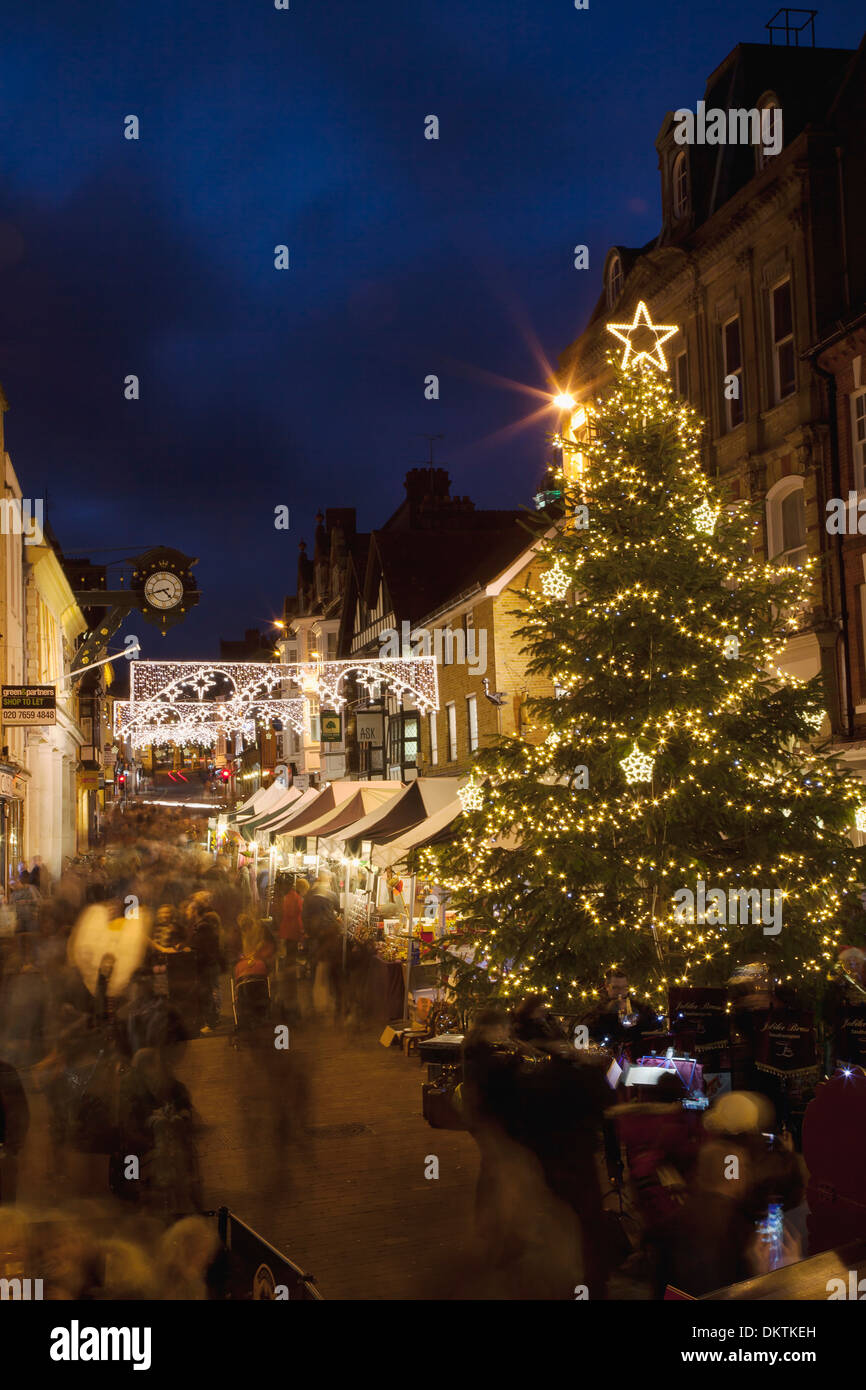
column 345, row 1195
column 321, row 1148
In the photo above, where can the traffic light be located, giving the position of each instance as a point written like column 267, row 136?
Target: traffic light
column 225, row 774
column 121, row 778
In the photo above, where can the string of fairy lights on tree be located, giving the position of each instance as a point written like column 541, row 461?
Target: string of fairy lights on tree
column 661, row 629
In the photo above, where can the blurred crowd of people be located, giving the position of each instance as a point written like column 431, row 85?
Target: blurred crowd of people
column 582, row 1194
column 109, row 971
column 106, row 974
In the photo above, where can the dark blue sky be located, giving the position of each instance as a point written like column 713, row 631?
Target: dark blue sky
column 408, row 256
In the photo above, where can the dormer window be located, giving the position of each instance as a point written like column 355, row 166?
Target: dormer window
column 614, row 281
column 769, row 102
column 680, row 185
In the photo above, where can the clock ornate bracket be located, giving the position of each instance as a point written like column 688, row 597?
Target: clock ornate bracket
column 163, row 590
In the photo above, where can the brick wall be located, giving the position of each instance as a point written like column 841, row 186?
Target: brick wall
column 505, row 672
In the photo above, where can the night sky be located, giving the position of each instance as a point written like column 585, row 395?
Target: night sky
column 305, row 387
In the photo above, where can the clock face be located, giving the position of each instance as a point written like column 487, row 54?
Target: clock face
column 163, row 590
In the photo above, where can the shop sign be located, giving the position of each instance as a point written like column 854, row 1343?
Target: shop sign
column 331, row 726
column 370, row 727
column 88, row 780
column 29, row 704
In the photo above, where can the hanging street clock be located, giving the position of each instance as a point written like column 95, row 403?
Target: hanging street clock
column 163, row 584
column 163, row 590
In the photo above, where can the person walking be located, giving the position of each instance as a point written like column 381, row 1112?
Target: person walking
column 205, row 943
column 291, row 919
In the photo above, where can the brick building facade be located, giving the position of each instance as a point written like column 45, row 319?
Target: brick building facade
column 757, row 258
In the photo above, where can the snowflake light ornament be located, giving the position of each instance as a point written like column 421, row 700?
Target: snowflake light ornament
column 815, row 718
column 704, row 518
column 471, row 795
column 638, row 766
column 555, row 582
column 860, row 818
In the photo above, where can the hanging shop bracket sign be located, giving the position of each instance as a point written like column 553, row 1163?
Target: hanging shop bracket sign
column 29, row 704
column 331, row 724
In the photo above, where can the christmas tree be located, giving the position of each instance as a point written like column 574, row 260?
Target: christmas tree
column 674, row 809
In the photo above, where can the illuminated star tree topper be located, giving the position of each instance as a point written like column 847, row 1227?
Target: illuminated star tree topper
column 641, row 329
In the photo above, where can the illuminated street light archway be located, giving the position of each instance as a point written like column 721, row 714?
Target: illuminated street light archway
column 200, row 701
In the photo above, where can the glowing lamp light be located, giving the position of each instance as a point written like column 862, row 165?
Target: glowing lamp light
column 564, row 401
column 638, row 766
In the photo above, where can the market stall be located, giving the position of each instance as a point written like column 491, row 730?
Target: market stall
column 266, row 799
column 256, row 827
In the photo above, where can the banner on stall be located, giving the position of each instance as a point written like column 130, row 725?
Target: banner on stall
column 851, row 1035
column 785, row 1043
column 702, row 1013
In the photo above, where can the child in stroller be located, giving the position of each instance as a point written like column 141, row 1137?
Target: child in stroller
column 251, row 986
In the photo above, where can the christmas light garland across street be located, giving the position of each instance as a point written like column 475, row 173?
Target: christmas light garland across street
column 229, row 697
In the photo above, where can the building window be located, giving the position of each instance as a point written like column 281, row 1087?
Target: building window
column 767, row 103
column 614, row 281
column 682, row 375
column 858, row 438
column 786, row 522
column 331, row 646
column 782, row 325
column 434, row 740
column 680, row 185
column 794, row 526
column 733, row 363
column 451, row 711
column 472, row 721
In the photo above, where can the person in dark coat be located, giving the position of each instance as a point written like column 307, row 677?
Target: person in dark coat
column 206, row 945
column 619, row 1021
column 560, row 1110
